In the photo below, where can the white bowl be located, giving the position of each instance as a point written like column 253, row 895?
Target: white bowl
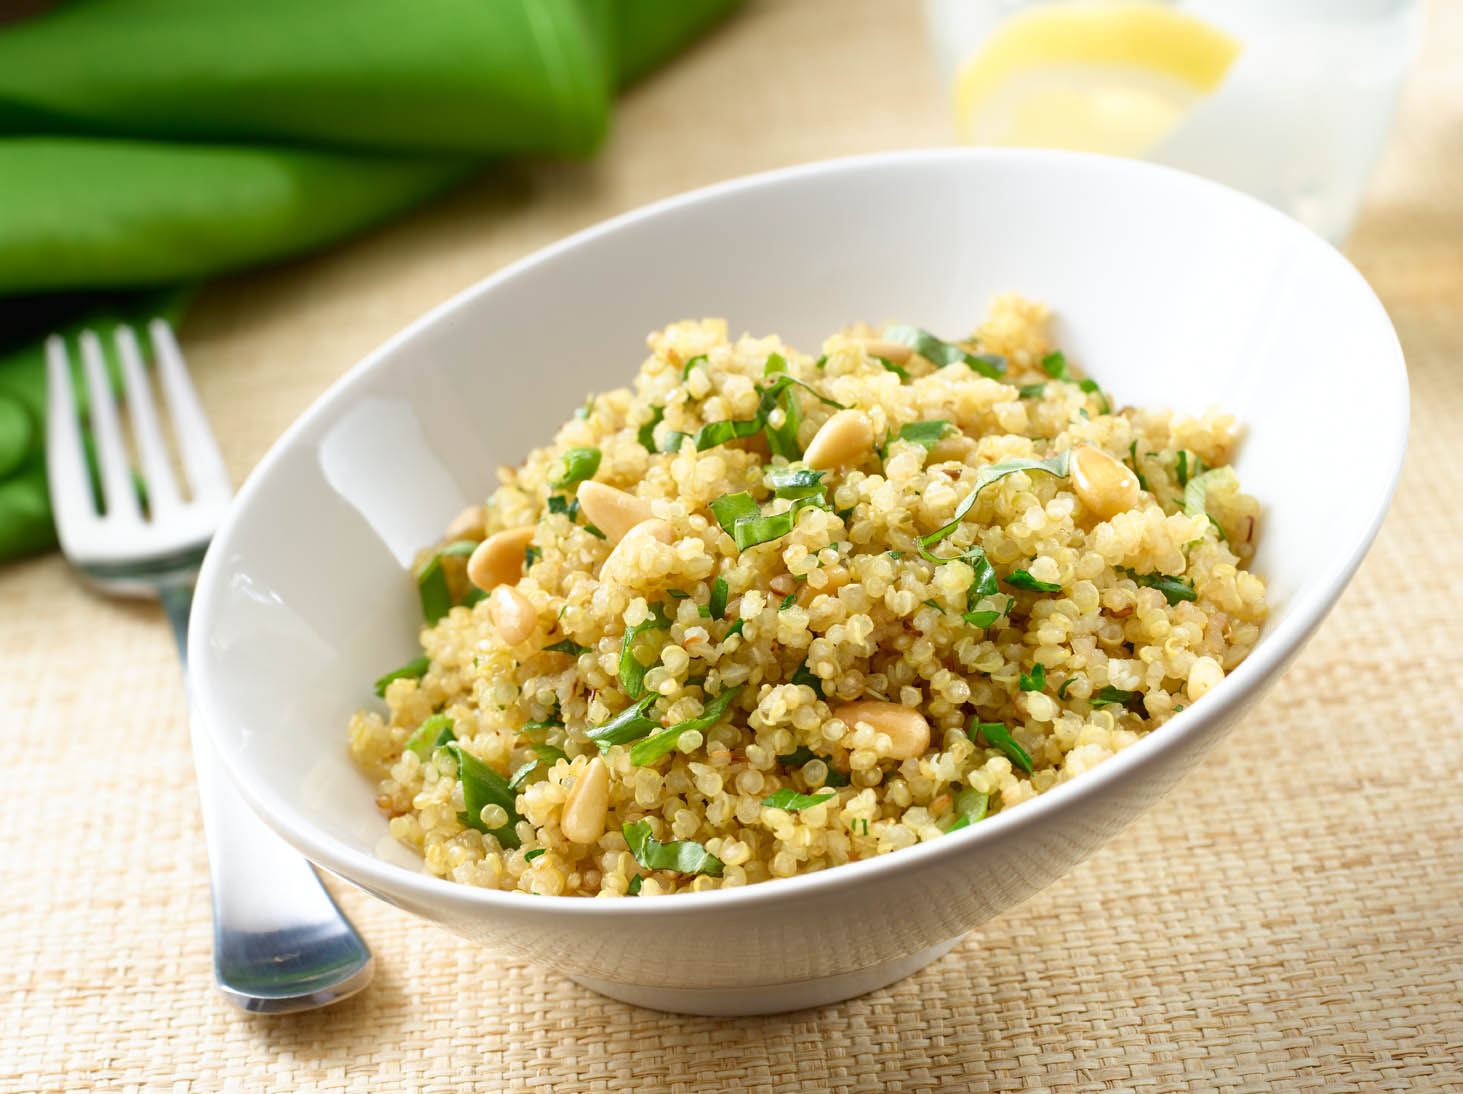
column 1171, row 290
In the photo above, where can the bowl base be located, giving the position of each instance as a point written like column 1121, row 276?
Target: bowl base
column 767, row 998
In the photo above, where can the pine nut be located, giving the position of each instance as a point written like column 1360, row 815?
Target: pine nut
column 635, row 539
column 512, row 613
column 588, row 803
column 612, row 511
column 897, row 352
column 908, row 732
column 498, row 559
column 843, row 439
column 1105, row 486
column 468, row 524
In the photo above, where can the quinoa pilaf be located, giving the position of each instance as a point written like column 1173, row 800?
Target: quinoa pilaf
column 765, row 613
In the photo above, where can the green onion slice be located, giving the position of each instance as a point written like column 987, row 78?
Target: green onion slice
column 970, row 806
column 431, row 735
column 432, row 579
column 579, row 464
column 629, row 725
column 719, row 591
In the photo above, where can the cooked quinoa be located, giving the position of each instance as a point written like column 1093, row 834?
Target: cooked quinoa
column 904, row 584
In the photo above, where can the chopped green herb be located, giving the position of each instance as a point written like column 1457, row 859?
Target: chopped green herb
column 482, row 786
column 895, row 554
column 844, row 514
column 531, row 554
column 1182, row 470
column 1055, row 365
column 788, row 601
column 739, row 515
column 782, row 440
column 646, row 434
column 1056, row 465
column 683, row 856
column 970, row 806
column 699, row 359
column 633, row 889
column 414, row 669
column 432, row 579
column 632, row 672
column 945, row 353
column 1133, row 462
column 803, row 755
column 1035, row 680
column 735, row 628
column 729, row 509
column 790, row 800
column 934, row 604
column 802, row 675
column 925, row 434
column 1174, row 589
column 1062, row 691
column 821, row 362
column 529, row 856
column 1196, row 493
column 981, row 619
column 1000, row 738
column 431, row 735
column 1022, row 579
column 890, row 366
column 718, row 598
column 568, row 646
column 678, row 594
column 1090, row 386
column 579, row 464
column 1110, row 696
column 629, row 725
column 776, row 363
column 1031, row 391
column 584, row 412
column 547, row 756
column 1178, row 708
column 672, row 441
column 651, row 749
column 558, row 503
column 795, row 482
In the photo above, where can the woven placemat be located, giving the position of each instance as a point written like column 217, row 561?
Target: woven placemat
column 1288, row 919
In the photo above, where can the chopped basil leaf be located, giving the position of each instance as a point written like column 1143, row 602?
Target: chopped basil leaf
column 586, row 410
column 790, row 800
column 1055, row 465
column 632, row 672
column 1000, row 738
column 1133, row 460
column 1022, row 579
column 568, row 646
column 529, row 856
column 1178, row 708
column 1196, row 494
column 629, row 725
column 970, row 806
column 1055, row 365
column 579, row 464
column 482, row 786
column 788, row 601
column 432, row 579
column 531, row 554
column 718, row 598
column 414, row 669
column 547, row 756
column 1110, row 696
column 1090, row 386
column 699, row 359
column 944, row 353
column 782, row 440
column 558, row 503
column 925, row 434
column 776, row 363
column 1184, row 471
column 895, row 554
column 431, row 735
column 1062, row 691
column 1031, row 391
column 934, row 604
column 653, row 748
column 672, row 441
column 731, row 508
column 678, row 594
column 1174, row 589
column 683, row 856
column 803, row 754
column 633, row 889
column 646, row 434
column 1036, row 679
column 890, row 366
column 844, row 514
column 795, row 482
column 821, row 362
column 982, row 619
column 802, row 675
column 735, row 628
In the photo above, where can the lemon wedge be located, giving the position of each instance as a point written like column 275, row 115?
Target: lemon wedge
column 1097, row 77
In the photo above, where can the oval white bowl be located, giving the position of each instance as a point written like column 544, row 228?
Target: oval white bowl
column 1169, row 289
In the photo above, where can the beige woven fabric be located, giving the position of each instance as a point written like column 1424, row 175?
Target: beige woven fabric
column 1288, row 919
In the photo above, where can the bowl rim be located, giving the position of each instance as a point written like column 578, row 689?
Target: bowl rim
column 1270, row 654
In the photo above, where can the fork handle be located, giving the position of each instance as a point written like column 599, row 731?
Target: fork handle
column 280, row 943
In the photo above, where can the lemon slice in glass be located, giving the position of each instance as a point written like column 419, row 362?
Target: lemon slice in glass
column 1093, row 76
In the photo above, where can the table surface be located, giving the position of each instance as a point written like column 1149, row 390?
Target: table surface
column 1288, row 919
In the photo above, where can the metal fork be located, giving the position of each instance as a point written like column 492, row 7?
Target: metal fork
column 280, row 942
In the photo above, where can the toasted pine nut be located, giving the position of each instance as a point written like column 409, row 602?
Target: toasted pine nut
column 628, row 547
column 612, row 511
column 498, row 559
column 512, row 613
column 843, row 439
column 897, row 352
column 1106, row 486
column 908, row 732
column 468, row 524
column 583, row 818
